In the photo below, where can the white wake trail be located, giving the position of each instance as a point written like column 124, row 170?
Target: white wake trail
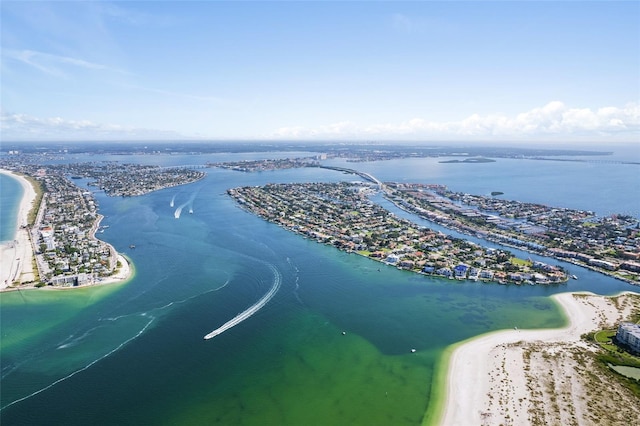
column 178, row 211
column 189, row 202
column 117, row 348
column 277, row 280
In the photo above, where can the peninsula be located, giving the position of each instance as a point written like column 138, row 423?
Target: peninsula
column 540, row 377
column 71, row 257
column 59, row 248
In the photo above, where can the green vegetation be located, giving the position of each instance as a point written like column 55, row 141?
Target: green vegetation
column 624, row 359
column 613, row 355
column 37, row 187
column 520, row 262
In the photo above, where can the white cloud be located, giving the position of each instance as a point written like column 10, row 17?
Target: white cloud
column 50, row 63
column 26, row 127
column 173, row 94
column 553, row 120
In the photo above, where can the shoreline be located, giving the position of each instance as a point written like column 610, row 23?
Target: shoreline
column 487, row 377
column 16, row 257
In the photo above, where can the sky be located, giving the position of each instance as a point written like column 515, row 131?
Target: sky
column 542, row 71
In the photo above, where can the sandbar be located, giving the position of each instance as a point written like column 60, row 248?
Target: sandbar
column 538, row 376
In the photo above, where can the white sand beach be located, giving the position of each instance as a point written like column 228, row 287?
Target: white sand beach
column 122, row 274
column 522, row 377
column 16, row 257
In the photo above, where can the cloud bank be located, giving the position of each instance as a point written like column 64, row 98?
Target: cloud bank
column 553, row 120
column 25, row 127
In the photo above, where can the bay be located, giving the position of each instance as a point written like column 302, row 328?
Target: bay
column 134, row 353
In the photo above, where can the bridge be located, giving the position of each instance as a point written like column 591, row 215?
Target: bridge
column 364, row 175
column 187, row 166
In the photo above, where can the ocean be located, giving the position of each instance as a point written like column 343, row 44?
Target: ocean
column 10, row 195
column 332, row 346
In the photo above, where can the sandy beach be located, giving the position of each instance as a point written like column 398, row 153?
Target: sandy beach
column 522, row 377
column 122, row 274
column 16, row 257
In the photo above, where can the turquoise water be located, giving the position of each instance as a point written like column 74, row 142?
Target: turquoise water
column 134, row 353
column 10, row 195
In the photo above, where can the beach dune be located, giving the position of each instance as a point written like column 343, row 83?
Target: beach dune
column 522, row 377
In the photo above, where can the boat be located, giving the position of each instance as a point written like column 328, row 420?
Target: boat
column 575, row 277
column 132, row 246
column 213, row 334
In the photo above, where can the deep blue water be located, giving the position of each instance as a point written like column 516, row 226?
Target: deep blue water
column 134, row 353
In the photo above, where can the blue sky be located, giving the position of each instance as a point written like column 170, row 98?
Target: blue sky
column 373, row 71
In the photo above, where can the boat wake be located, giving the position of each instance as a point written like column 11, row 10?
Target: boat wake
column 189, row 203
column 277, row 280
column 147, row 317
column 297, row 283
column 117, row 348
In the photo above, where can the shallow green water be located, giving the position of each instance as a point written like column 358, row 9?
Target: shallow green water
column 134, row 353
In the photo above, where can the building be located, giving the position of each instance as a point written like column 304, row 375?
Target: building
column 392, row 259
column 460, row 271
column 629, row 334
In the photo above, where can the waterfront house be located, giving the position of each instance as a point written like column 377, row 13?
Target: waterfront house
column 460, row 271
column 392, row 258
column 428, row 269
column 486, row 274
column 406, row 264
column 445, row 272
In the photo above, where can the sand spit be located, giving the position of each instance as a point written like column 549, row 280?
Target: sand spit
column 541, row 377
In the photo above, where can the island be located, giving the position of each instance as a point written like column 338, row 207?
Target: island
column 473, row 160
column 609, row 245
column 343, row 216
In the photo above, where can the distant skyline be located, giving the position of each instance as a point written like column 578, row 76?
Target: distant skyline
column 362, row 71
